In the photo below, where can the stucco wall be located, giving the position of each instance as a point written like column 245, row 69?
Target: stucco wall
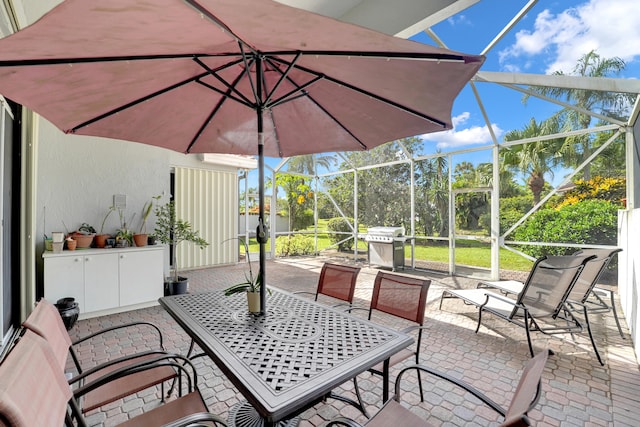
column 77, row 177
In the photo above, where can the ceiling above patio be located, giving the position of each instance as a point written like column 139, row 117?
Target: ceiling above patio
column 385, row 16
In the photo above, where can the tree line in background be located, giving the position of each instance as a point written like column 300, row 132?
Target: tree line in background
column 585, row 213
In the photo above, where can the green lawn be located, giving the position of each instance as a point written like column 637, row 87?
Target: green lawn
column 469, row 253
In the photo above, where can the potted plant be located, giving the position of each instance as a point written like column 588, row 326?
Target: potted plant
column 124, row 235
column 172, row 231
column 251, row 285
column 84, row 235
column 101, row 238
column 140, row 238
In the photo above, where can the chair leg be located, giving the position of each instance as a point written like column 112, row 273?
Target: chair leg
column 615, row 315
column 420, row 385
column 526, row 328
column 593, row 342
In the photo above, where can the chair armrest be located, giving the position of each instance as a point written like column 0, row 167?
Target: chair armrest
column 126, row 325
column 469, row 388
column 342, row 421
column 199, row 419
column 161, row 361
column 160, row 355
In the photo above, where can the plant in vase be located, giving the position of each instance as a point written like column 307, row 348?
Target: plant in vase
column 251, row 285
column 124, row 236
column 171, row 230
column 101, row 237
column 84, row 235
column 140, row 238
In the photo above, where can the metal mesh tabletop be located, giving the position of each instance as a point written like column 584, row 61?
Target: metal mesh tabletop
column 289, row 358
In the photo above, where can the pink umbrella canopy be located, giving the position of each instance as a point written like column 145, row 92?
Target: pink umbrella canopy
column 228, row 76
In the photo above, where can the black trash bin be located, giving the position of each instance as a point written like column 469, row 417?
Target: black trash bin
column 69, row 311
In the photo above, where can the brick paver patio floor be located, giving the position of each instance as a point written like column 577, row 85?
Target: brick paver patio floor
column 577, row 390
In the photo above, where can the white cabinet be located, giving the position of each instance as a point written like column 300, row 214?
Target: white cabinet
column 141, row 276
column 105, row 280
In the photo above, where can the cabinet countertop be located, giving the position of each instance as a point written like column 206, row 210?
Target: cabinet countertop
column 96, row 251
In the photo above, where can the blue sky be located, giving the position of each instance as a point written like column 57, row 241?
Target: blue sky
column 552, row 36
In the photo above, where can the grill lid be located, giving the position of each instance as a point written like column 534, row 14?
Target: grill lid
column 386, row 231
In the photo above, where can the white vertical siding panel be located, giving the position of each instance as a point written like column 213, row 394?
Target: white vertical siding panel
column 208, row 200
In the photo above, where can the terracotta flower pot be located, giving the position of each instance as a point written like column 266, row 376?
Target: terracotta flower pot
column 101, row 240
column 71, row 244
column 140, row 239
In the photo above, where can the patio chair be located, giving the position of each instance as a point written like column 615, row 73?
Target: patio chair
column 34, row 392
column 46, row 322
column 524, row 399
column 584, row 295
column 336, row 281
column 404, row 297
column 540, row 305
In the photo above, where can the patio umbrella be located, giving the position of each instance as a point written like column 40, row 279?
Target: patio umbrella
column 228, row 76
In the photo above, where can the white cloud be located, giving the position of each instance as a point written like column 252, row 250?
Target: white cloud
column 458, row 137
column 607, row 26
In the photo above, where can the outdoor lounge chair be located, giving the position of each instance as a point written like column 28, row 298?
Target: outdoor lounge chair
column 336, row 281
column 404, row 297
column 524, row 399
column 35, row 392
column 540, row 305
column 46, row 322
column 584, row 295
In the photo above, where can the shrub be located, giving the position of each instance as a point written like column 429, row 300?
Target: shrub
column 338, row 229
column 587, row 221
column 294, row 245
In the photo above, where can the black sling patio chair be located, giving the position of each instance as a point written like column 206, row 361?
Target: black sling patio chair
column 524, row 399
column 585, row 296
column 541, row 305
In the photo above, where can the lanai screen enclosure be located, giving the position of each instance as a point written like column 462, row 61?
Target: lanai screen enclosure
column 229, row 76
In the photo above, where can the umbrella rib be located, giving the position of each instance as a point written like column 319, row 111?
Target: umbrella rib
column 215, row 74
column 135, row 102
column 283, row 76
column 217, row 108
column 370, row 94
column 434, row 57
column 89, row 60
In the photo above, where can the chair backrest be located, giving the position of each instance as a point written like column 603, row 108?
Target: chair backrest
column 338, row 281
column 401, row 296
column 589, row 276
column 549, row 284
column 527, row 392
column 45, row 321
column 33, row 388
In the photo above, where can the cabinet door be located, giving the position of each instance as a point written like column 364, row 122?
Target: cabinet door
column 64, row 277
column 141, row 276
column 101, row 281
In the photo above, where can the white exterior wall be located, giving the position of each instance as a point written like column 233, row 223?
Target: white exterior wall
column 628, row 268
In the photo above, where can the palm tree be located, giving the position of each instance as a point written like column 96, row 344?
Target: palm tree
column 578, row 148
column 534, row 159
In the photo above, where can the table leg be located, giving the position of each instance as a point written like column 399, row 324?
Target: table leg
column 385, row 381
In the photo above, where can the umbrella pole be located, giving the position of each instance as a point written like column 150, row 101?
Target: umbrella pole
column 261, row 233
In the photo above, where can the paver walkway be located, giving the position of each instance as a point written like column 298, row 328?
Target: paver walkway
column 577, row 391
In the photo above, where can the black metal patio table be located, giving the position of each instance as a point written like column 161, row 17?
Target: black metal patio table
column 289, row 359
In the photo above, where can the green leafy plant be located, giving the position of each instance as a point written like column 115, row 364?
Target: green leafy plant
column 111, row 209
column 86, row 229
column 146, row 211
column 252, row 283
column 171, row 230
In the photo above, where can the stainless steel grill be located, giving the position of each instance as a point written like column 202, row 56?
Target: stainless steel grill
column 386, row 246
